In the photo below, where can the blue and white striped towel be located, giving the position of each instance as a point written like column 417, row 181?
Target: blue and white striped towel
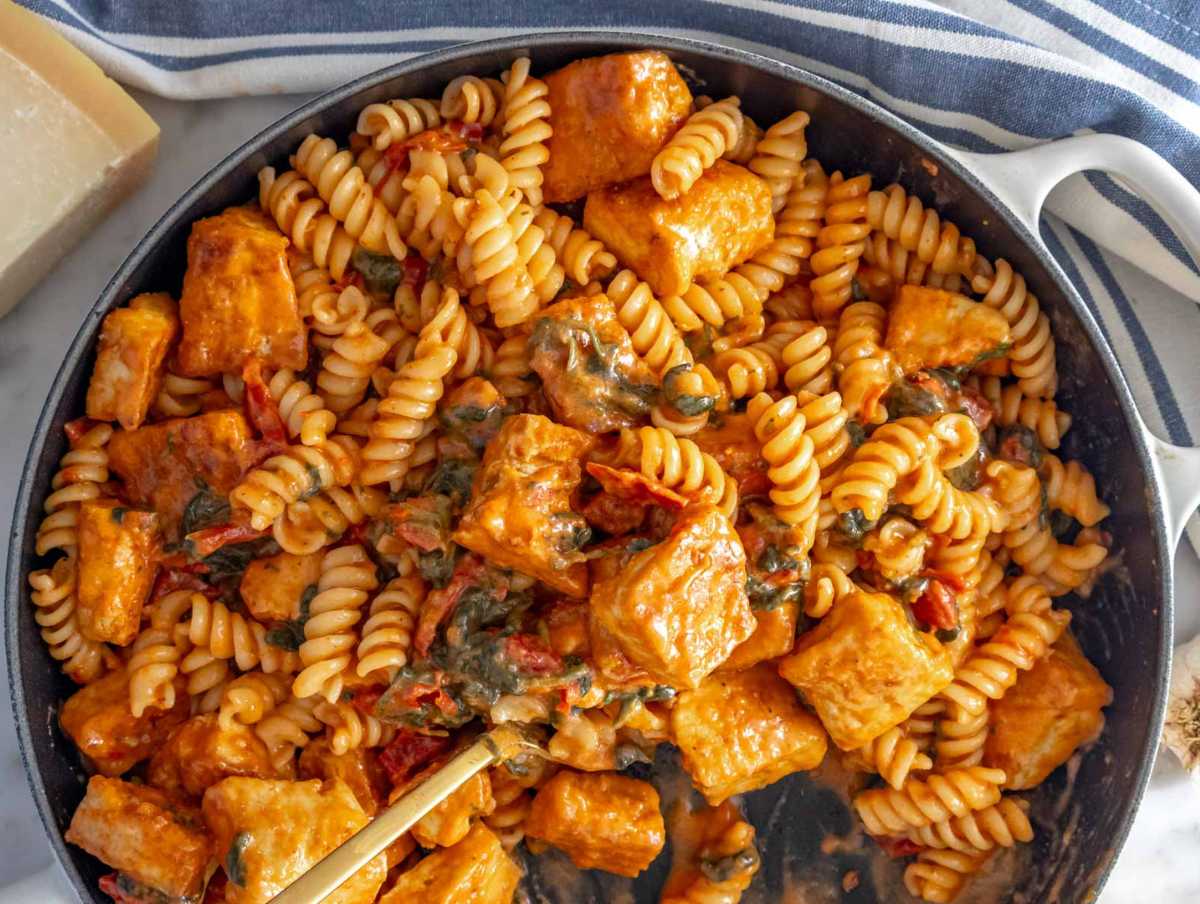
column 985, row 75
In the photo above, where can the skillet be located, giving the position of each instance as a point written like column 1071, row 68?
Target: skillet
column 1083, row 812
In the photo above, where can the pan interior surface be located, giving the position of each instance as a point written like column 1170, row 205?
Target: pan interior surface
column 1081, row 814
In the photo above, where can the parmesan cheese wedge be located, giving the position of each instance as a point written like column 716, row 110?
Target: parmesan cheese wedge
column 73, row 144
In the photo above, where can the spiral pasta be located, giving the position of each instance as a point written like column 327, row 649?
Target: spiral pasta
column 495, row 262
column 347, row 367
column 945, row 509
column 53, row 596
column 296, row 473
column 840, row 244
column 778, row 154
column 351, row 199
column 535, row 253
column 867, row 369
column 224, row 634
column 1002, row 825
column 654, row 336
column 714, row 301
column 308, row 525
column 792, row 302
column 207, row 676
column 960, row 742
column 249, row 698
column 938, row 876
column 994, row 667
column 678, row 464
column 918, row 229
column 510, row 371
column 956, row 792
column 397, row 120
column 771, row 268
column 806, row 359
column 1072, row 490
column 513, row 800
column 156, row 653
column 583, row 257
column 788, row 450
column 387, row 632
column 705, row 137
column 1011, row 406
column 80, row 473
column 303, row 217
column 893, row 451
column 349, row 729
column 526, row 128
column 383, row 176
column 303, row 412
column 180, row 396
column 347, row 574
column 403, row 418
column 756, row 367
column 287, row 728
column 472, row 99
column 898, row 547
column 1032, row 354
column 894, row 757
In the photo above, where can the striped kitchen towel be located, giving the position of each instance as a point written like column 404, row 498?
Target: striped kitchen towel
column 986, row 75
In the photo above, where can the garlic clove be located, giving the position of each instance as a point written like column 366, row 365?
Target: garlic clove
column 1181, row 732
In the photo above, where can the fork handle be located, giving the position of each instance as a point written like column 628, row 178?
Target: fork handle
column 356, row 851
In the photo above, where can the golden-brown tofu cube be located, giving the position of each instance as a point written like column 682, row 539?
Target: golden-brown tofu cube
column 142, row 833
column 864, row 668
column 195, row 460
column 200, row 753
column 358, row 768
column 601, row 820
column 134, row 343
column 98, row 720
column 269, row 832
column 610, row 116
column 678, row 608
column 934, row 328
column 741, row 731
column 476, row 870
column 520, row 513
column 238, row 298
column 1051, row 711
column 591, row 375
column 448, row 822
column 722, row 220
column 774, row 636
column 118, row 548
column 272, row 588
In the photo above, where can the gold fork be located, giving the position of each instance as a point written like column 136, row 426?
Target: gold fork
column 323, row 878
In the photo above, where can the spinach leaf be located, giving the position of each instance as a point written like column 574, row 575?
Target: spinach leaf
column 205, row 509
column 290, row 635
column 381, row 273
column 235, row 868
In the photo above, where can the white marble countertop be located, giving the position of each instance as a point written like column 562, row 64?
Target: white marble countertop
column 1161, row 860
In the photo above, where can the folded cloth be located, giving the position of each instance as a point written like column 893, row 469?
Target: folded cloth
column 985, row 75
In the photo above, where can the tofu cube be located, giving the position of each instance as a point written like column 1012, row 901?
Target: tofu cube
column 269, row 832
column 610, row 116
column 1052, row 710
column 118, row 558
column 934, row 328
column 196, row 460
column 477, row 869
column 679, row 608
column 272, row 588
column 142, row 833
column 134, row 343
column 774, row 636
column 113, row 740
column 742, row 731
column 721, row 221
column 520, row 512
column 200, row 753
column 601, row 820
column 358, row 768
column 591, row 375
column 448, row 822
column 238, row 299
column 864, row 668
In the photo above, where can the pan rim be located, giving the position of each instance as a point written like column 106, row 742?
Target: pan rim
column 152, row 242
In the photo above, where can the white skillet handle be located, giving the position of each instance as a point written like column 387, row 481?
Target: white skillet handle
column 1023, row 179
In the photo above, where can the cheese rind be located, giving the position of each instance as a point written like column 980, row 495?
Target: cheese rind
column 74, row 145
